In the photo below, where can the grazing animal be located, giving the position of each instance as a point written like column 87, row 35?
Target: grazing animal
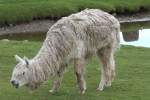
column 73, row 38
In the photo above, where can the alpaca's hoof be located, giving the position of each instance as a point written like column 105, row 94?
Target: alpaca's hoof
column 51, row 91
column 82, row 92
column 100, row 89
column 108, row 84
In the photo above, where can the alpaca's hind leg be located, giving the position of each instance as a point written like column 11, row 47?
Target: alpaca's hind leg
column 57, row 80
column 79, row 71
column 106, row 56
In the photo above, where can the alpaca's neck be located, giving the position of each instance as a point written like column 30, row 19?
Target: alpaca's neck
column 46, row 63
column 53, row 53
column 50, row 58
column 40, row 71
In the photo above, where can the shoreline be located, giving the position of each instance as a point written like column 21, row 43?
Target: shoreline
column 43, row 26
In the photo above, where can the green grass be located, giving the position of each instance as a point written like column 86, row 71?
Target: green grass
column 131, row 83
column 16, row 11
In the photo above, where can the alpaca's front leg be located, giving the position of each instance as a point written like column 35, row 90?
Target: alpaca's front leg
column 57, row 80
column 56, row 84
column 79, row 71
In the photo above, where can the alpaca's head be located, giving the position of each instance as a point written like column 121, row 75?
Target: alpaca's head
column 20, row 75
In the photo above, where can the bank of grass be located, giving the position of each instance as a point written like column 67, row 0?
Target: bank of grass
column 17, row 11
column 131, row 83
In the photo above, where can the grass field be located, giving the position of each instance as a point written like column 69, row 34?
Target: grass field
column 16, row 11
column 131, row 83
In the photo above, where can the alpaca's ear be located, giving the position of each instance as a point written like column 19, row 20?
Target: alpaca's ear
column 18, row 59
column 26, row 60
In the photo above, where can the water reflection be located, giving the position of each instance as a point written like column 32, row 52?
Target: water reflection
column 24, row 36
column 137, row 34
column 143, row 41
column 131, row 35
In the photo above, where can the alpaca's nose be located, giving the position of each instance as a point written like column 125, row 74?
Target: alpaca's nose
column 14, row 83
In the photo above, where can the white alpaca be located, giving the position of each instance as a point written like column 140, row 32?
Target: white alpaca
column 75, row 38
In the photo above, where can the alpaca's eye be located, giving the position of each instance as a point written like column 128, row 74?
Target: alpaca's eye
column 23, row 73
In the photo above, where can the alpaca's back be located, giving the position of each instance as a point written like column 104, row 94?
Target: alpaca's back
column 96, row 27
column 88, row 30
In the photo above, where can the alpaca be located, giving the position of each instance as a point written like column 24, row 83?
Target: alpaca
column 73, row 38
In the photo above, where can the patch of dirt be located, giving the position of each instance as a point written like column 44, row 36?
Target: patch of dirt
column 138, row 17
column 31, row 27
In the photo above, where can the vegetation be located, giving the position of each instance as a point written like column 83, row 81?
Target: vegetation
column 131, row 83
column 17, row 11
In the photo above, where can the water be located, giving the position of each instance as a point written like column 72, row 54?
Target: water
column 133, row 29
column 142, row 29
column 143, row 41
column 25, row 36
